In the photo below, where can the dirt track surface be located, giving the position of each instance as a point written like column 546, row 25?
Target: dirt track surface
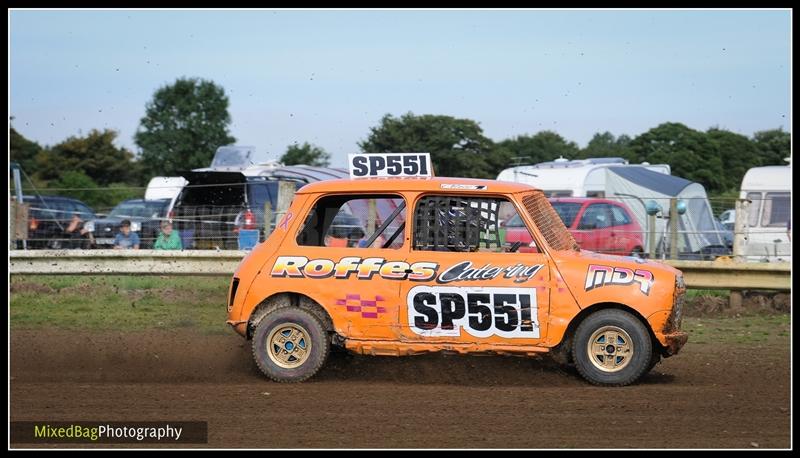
column 709, row 396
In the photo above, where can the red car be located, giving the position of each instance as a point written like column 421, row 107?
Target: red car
column 599, row 225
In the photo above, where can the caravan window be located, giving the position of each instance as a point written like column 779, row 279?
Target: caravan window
column 755, row 206
column 776, row 209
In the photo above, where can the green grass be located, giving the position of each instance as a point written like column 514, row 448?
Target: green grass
column 130, row 303
column 692, row 293
column 119, row 303
column 739, row 330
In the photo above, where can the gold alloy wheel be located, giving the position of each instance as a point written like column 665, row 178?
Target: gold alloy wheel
column 288, row 345
column 610, row 349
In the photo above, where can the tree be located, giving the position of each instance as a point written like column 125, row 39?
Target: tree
column 306, row 154
column 23, row 151
column 773, row 146
column 458, row 147
column 543, row 147
column 95, row 155
column 78, row 185
column 690, row 154
column 605, row 145
column 183, row 126
column 737, row 152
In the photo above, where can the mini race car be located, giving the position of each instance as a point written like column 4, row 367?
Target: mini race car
column 434, row 272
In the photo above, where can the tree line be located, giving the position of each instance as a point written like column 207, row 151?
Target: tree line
column 185, row 122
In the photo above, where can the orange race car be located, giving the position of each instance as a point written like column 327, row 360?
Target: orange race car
column 434, row 272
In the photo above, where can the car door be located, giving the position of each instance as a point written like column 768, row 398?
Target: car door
column 358, row 283
column 594, row 229
column 475, row 290
column 625, row 234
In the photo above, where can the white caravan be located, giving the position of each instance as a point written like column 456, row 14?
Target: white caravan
column 635, row 185
column 572, row 178
column 769, row 190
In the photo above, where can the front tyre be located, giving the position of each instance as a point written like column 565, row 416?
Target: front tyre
column 290, row 345
column 612, row 348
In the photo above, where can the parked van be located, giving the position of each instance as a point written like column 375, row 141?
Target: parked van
column 165, row 188
column 769, row 190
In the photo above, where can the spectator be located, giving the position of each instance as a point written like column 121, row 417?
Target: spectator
column 78, row 236
column 126, row 239
column 168, row 239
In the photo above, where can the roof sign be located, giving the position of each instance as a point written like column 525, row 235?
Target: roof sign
column 390, row 165
column 476, row 187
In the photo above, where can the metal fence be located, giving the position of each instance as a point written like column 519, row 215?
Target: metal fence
column 650, row 226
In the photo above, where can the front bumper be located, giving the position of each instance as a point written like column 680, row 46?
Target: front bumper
column 674, row 341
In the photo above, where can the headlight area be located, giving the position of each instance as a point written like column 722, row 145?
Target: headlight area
column 679, row 298
column 89, row 226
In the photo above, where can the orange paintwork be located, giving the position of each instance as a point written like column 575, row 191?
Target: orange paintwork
column 563, row 284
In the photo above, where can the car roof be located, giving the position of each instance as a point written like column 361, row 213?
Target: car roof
column 54, row 198
column 421, row 184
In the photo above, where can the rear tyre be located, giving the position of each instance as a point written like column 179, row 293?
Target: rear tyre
column 290, row 345
column 637, row 252
column 612, row 348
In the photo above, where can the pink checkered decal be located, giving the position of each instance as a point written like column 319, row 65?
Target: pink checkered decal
column 368, row 308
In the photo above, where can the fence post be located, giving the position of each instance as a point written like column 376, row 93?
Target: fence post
column 673, row 228
column 286, row 190
column 651, row 220
column 267, row 218
column 742, row 208
column 12, row 226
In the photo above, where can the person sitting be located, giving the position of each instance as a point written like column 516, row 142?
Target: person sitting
column 126, row 239
column 78, row 236
column 168, row 239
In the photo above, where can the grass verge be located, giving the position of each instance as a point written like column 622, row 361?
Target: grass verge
column 131, row 303
column 119, row 303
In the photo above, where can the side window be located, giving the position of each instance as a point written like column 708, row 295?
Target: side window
column 470, row 224
column 619, row 216
column 596, row 216
column 755, row 205
column 366, row 221
column 776, row 209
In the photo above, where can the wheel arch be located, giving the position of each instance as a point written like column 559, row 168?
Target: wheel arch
column 287, row 299
column 562, row 351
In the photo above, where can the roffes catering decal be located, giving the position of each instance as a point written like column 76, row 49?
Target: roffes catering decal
column 366, row 268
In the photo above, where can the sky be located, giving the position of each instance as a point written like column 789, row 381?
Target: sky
column 327, row 76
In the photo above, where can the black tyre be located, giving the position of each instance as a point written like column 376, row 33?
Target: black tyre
column 637, row 252
column 290, row 344
column 654, row 359
column 612, row 347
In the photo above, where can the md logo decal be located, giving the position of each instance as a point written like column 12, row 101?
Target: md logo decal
column 598, row 276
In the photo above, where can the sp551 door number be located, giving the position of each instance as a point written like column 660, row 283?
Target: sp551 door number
column 435, row 311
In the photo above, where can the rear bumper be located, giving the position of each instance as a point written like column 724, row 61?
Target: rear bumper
column 239, row 326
